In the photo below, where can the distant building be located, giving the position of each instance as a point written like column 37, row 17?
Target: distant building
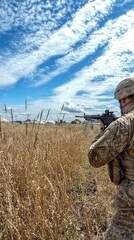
column 4, row 120
column 27, row 121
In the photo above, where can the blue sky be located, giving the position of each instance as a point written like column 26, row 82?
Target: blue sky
column 64, row 53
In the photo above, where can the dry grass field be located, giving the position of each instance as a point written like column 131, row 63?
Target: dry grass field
column 48, row 190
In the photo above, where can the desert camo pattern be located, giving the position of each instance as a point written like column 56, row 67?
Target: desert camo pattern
column 118, row 138
column 122, row 226
column 124, row 89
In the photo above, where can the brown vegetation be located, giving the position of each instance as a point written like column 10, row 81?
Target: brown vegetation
column 48, row 189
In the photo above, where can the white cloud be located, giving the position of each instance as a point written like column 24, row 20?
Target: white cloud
column 71, row 107
column 44, row 36
column 59, row 42
column 111, row 33
column 113, row 65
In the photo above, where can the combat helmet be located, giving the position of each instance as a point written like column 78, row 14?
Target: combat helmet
column 124, row 89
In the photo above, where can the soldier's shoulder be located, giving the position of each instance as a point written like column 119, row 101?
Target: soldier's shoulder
column 123, row 124
column 129, row 115
column 127, row 118
column 124, row 119
column 118, row 125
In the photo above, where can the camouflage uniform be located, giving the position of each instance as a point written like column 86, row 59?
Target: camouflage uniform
column 116, row 139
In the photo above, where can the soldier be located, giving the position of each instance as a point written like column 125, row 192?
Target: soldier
column 114, row 146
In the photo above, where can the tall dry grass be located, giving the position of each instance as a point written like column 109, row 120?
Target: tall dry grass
column 48, row 190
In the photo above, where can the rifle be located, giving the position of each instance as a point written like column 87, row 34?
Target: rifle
column 106, row 118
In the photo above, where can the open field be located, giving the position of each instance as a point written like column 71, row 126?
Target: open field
column 48, row 190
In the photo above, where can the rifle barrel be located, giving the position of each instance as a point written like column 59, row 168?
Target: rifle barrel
column 80, row 116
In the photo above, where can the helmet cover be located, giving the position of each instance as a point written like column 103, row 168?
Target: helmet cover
column 124, row 89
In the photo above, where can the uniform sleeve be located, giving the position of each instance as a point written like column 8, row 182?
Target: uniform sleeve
column 112, row 142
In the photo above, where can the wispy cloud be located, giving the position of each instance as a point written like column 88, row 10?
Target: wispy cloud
column 87, row 45
column 110, row 34
column 60, row 42
column 115, row 63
